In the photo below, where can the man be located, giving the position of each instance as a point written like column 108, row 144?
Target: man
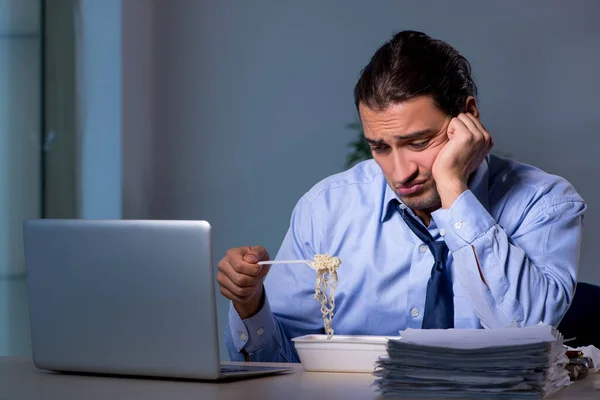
column 435, row 232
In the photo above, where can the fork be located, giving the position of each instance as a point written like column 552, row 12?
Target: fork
column 288, row 262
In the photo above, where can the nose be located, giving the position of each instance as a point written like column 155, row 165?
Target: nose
column 405, row 169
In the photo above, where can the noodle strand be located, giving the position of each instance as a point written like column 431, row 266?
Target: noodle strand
column 326, row 267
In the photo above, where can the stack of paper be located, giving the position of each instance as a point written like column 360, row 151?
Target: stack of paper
column 474, row 363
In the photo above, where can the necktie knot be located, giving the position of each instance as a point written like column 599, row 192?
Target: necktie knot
column 439, row 250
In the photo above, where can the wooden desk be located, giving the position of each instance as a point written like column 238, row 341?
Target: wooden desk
column 20, row 380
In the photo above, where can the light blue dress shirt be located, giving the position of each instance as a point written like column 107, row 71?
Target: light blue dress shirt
column 514, row 240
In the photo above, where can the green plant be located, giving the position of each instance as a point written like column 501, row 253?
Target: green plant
column 360, row 148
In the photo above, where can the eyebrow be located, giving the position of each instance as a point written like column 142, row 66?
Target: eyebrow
column 412, row 135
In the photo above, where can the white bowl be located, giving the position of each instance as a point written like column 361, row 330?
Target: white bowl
column 341, row 353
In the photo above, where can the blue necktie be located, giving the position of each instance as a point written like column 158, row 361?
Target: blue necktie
column 439, row 303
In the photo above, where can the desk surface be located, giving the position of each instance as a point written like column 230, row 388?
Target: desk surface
column 19, row 379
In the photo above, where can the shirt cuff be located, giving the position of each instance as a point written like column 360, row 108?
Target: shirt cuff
column 253, row 333
column 464, row 221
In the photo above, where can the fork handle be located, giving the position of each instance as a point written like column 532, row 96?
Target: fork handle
column 283, row 262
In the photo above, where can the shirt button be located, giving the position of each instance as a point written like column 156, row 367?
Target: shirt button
column 422, row 248
column 243, row 337
column 414, row 312
column 458, row 225
column 260, row 331
column 442, row 232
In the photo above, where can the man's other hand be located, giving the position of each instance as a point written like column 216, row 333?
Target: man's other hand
column 468, row 145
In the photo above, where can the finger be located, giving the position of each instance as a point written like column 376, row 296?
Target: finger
column 255, row 254
column 471, row 126
column 458, row 129
column 239, row 279
column 477, row 122
column 235, row 258
column 228, row 294
column 264, row 271
column 487, row 137
column 240, row 292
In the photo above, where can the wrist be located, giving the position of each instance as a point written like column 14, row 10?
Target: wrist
column 252, row 307
column 449, row 189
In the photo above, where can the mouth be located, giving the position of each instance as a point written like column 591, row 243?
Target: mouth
column 407, row 190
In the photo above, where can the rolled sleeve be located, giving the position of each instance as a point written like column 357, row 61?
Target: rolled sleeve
column 465, row 220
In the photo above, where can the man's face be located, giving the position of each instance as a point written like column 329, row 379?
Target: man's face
column 405, row 139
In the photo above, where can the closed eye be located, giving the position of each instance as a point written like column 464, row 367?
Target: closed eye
column 379, row 148
column 419, row 145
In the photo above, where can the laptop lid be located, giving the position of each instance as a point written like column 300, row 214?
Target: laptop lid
column 122, row 297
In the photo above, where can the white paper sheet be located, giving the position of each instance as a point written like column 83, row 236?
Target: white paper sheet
column 480, row 338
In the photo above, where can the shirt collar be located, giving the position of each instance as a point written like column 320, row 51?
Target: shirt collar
column 478, row 184
column 388, row 203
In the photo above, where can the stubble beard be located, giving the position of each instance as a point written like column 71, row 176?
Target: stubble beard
column 428, row 201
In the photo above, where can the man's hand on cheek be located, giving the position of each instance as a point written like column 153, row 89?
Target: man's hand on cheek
column 468, row 144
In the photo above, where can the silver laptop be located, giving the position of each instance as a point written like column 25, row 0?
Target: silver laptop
column 126, row 297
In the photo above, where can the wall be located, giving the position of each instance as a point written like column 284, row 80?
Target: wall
column 100, row 119
column 61, row 142
column 244, row 107
column 251, row 99
column 99, row 147
column 20, row 81
column 137, row 63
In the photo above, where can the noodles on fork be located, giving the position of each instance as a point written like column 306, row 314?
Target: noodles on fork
column 326, row 267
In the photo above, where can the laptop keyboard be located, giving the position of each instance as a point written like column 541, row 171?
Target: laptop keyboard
column 247, row 368
column 233, row 368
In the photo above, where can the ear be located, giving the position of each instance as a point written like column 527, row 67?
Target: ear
column 471, row 106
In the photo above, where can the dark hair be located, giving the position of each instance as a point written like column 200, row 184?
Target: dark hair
column 413, row 64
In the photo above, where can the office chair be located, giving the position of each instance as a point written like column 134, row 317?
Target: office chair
column 582, row 320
